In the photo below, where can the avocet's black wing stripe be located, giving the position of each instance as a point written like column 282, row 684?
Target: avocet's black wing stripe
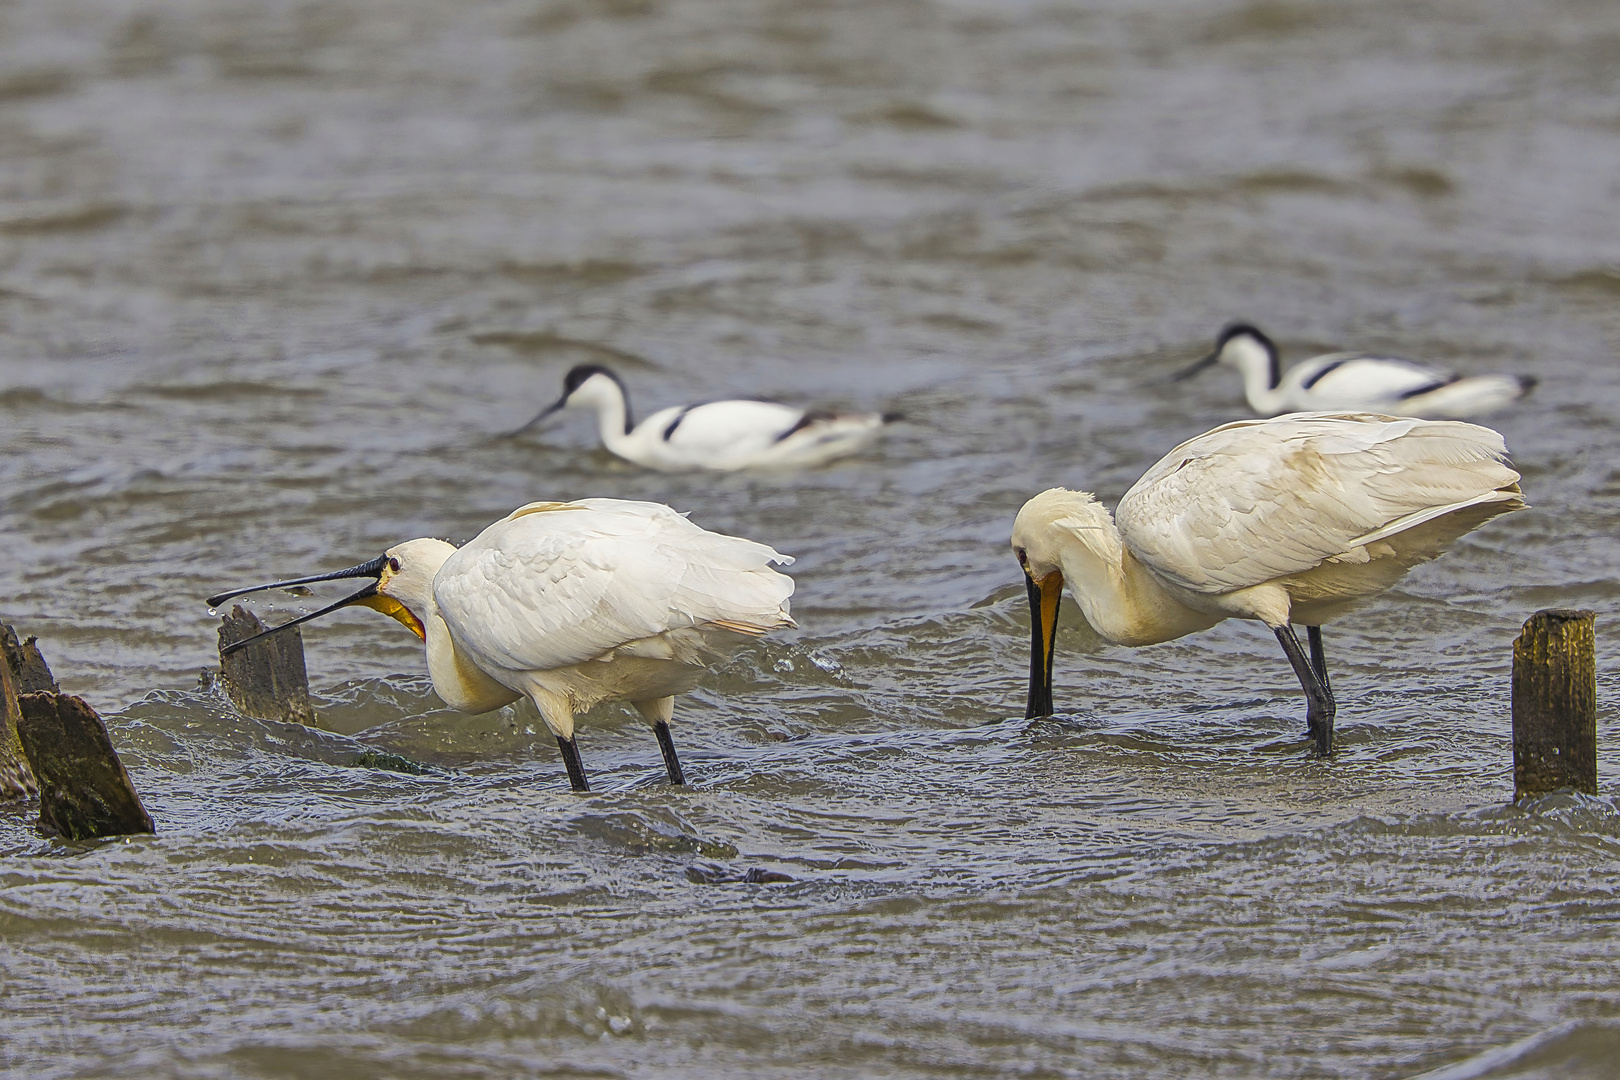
column 1316, row 376
column 1428, row 387
column 675, row 423
column 811, row 416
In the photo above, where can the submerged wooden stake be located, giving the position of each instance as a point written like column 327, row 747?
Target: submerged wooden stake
column 1555, row 703
column 267, row 679
column 84, row 791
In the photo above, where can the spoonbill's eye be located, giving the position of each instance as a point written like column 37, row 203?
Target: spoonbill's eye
column 393, row 564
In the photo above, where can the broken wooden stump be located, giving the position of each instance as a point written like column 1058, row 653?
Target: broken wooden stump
column 23, row 671
column 84, row 791
column 16, row 778
column 1555, row 703
column 267, row 679
column 29, row 672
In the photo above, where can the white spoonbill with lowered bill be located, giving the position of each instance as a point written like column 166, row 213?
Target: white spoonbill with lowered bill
column 572, row 604
column 1351, row 380
column 1296, row 519
column 724, row 435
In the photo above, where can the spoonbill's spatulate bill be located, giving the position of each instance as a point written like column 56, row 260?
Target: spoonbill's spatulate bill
column 572, row 604
column 1296, row 519
column 1365, row 381
column 721, row 435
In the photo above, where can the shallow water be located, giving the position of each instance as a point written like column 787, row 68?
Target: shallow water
column 273, row 278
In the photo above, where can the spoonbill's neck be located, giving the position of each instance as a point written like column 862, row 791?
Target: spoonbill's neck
column 1119, row 597
column 461, row 683
column 456, row 679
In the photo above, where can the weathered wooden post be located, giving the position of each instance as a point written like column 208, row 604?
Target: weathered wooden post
column 16, row 778
column 84, row 791
column 22, row 671
column 29, row 672
column 1555, row 703
column 267, row 679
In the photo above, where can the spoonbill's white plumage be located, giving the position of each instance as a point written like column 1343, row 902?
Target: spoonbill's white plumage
column 1349, row 380
column 572, row 604
column 1295, row 519
column 722, row 435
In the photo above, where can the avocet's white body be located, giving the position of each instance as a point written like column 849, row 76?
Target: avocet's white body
column 1357, row 381
column 719, row 435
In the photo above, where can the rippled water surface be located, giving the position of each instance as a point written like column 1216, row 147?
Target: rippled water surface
column 275, row 277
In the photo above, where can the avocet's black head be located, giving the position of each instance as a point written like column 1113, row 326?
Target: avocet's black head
column 1243, row 329
column 580, row 376
column 1234, row 332
column 580, row 373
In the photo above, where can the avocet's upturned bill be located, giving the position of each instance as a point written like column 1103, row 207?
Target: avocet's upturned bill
column 1360, row 381
column 720, row 435
column 1291, row 520
column 572, row 604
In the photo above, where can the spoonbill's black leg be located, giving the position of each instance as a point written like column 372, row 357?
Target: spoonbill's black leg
column 1319, row 660
column 1319, row 707
column 576, row 771
column 672, row 764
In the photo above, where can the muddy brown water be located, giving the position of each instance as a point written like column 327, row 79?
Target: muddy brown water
column 275, row 277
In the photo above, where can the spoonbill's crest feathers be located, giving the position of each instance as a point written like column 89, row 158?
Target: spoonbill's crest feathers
column 588, row 583
column 1047, row 519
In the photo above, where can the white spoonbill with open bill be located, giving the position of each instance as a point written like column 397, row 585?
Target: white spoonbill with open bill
column 572, row 604
column 1296, row 519
column 723, row 435
column 1351, row 380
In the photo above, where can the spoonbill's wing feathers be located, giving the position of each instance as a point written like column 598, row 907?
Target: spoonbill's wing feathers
column 726, row 428
column 561, row 583
column 1260, row 499
column 1365, row 378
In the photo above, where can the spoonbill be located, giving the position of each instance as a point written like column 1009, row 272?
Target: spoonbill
column 1350, row 380
column 1296, row 519
column 572, row 604
column 722, row 435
